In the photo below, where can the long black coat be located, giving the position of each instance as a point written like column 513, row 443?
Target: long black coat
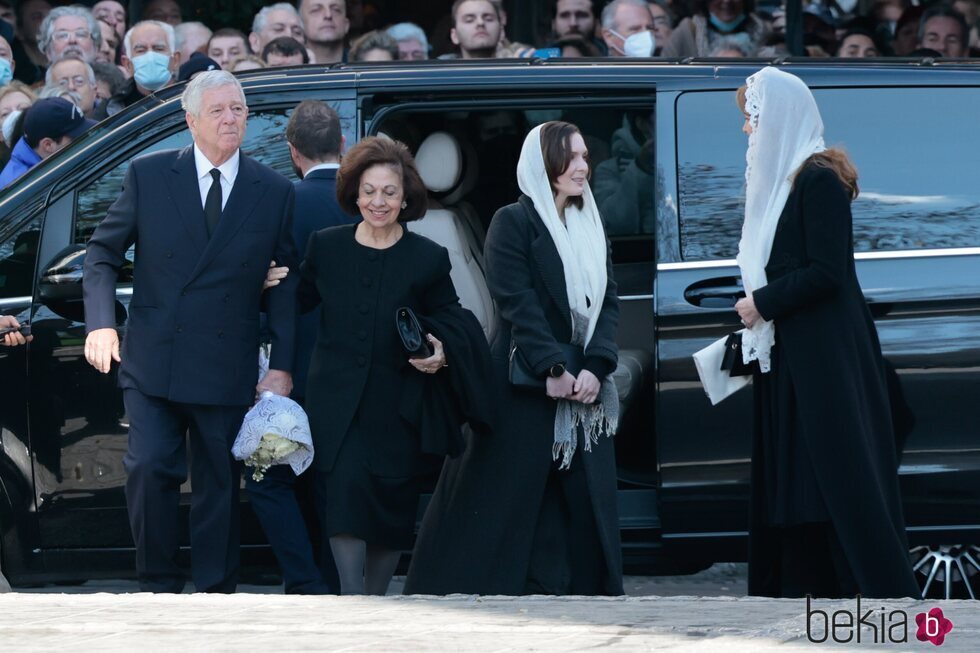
column 828, row 346
column 478, row 532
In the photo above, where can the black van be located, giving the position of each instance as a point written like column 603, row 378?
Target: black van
column 668, row 157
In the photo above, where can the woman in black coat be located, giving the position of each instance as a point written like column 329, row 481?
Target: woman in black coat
column 365, row 397
column 531, row 509
column 826, row 512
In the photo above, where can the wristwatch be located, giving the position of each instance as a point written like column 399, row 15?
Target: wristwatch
column 557, row 370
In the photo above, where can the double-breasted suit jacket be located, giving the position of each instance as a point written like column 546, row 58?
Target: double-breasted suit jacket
column 193, row 327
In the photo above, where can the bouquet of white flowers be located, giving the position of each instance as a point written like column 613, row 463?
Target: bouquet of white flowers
column 275, row 431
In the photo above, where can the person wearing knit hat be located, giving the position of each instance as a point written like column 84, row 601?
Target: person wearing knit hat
column 198, row 63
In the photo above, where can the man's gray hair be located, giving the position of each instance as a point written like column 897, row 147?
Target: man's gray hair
column 63, row 93
column 49, row 76
column 45, row 34
column 409, row 32
column 193, row 95
column 261, row 18
column 180, row 33
column 609, row 12
column 166, row 27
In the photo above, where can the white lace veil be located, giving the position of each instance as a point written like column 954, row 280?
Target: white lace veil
column 786, row 131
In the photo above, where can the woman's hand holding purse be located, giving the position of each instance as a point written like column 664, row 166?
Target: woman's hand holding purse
column 433, row 363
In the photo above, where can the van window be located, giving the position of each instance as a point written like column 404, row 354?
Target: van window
column 18, row 258
column 916, row 189
column 264, row 141
column 619, row 142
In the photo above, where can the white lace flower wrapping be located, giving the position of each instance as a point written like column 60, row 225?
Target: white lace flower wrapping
column 275, row 431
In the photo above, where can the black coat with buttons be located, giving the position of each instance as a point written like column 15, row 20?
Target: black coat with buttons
column 359, row 375
column 193, row 329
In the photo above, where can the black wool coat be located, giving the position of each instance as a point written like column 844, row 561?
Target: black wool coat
column 829, row 346
column 359, row 370
column 477, row 534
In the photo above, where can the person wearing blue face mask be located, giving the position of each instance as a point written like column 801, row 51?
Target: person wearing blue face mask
column 7, row 64
column 151, row 58
column 697, row 36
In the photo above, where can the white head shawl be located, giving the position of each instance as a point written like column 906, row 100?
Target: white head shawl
column 786, row 131
column 581, row 240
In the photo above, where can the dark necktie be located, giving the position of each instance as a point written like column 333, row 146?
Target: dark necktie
column 212, row 205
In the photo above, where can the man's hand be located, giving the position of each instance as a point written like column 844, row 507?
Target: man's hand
column 277, row 382
column 274, row 276
column 13, row 338
column 101, row 348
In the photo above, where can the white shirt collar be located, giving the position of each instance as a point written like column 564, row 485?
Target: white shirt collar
column 323, row 166
column 228, row 169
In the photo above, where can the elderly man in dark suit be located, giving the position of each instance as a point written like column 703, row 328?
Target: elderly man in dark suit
column 315, row 144
column 207, row 220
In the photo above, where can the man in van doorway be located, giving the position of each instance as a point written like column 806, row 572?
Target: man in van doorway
column 315, row 143
column 207, row 220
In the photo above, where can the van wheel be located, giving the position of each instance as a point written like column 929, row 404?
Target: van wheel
column 947, row 571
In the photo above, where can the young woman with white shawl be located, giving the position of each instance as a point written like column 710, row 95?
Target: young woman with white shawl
column 826, row 512
column 532, row 509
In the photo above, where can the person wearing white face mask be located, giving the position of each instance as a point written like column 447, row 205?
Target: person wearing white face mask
column 627, row 28
column 151, row 58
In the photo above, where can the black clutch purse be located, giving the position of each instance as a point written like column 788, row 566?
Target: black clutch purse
column 732, row 361
column 522, row 375
column 411, row 334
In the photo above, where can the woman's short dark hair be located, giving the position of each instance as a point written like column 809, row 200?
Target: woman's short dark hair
column 379, row 151
column 556, row 149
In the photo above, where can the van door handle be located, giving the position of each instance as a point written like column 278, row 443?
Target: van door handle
column 719, row 292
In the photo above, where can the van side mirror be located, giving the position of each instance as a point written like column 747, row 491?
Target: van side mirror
column 61, row 280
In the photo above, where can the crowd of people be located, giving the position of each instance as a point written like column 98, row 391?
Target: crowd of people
column 381, row 417
column 102, row 60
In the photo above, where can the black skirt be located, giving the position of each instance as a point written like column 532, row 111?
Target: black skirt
column 381, row 510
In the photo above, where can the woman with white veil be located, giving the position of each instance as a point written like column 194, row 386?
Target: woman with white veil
column 826, row 512
column 531, row 509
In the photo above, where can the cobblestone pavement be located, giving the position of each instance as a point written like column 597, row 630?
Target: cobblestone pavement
column 260, row 622
column 720, row 618
column 723, row 579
